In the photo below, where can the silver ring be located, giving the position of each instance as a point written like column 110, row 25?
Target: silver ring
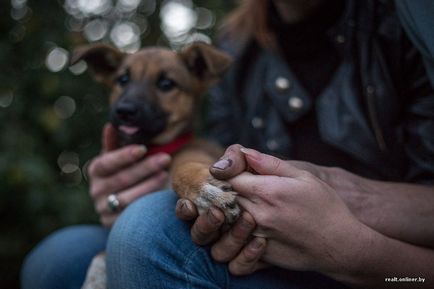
column 113, row 203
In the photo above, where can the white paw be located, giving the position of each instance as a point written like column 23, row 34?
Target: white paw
column 96, row 274
column 218, row 193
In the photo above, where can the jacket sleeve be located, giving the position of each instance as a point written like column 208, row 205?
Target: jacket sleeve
column 418, row 21
column 418, row 125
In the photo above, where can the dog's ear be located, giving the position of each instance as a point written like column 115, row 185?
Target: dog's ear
column 102, row 59
column 205, row 61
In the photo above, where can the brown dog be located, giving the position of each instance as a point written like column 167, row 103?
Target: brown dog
column 154, row 100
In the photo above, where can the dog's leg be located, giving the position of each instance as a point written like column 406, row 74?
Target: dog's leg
column 193, row 181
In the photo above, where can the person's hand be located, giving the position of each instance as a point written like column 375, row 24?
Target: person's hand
column 307, row 225
column 124, row 172
column 236, row 246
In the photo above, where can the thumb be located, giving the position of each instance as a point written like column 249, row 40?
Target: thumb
column 109, row 138
column 265, row 164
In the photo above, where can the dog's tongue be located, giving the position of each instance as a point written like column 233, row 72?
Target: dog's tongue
column 129, row 130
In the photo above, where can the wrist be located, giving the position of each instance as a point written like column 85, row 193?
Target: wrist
column 356, row 259
column 355, row 191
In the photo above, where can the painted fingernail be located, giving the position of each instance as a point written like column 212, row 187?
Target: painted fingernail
column 222, row 164
column 140, row 151
column 257, row 243
column 253, row 154
column 212, row 217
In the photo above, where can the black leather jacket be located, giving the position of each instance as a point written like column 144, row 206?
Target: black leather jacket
column 378, row 108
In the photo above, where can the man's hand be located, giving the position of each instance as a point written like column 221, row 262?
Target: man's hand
column 124, row 172
column 235, row 246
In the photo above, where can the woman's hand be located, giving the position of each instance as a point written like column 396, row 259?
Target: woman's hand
column 306, row 223
column 124, row 172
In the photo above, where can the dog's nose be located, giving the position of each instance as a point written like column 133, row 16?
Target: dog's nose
column 127, row 111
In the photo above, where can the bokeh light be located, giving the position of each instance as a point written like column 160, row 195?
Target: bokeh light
column 6, row 98
column 68, row 162
column 56, row 59
column 78, row 68
column 64, row 107
column 95, row 30
column 177, row 18
column 126, row 35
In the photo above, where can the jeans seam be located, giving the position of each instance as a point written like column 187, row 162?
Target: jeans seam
column 187, row 262
column 185, row 265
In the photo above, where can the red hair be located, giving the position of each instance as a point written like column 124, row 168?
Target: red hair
column 250, row 22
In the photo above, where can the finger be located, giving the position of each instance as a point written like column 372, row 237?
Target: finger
column 206, row 227
column 248, row 205
column 186, row 210
column 265, row 164
column 110, row 162
column 108, row 220
column 126, row 197
column 247, row 260
column 109, row 138
column 257, row 186
column 230, row 164
column 150, row 185
column 129, row 176
column 230, row 244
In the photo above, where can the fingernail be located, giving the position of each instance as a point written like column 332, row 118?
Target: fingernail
column 257, row 243
column 139, row 151
column 222, row 164
column 246, row 224
column 212, row 217
column 186, row 208
column 162, row 159
column 253, row 154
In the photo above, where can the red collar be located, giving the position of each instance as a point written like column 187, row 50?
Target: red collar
column 171, row 147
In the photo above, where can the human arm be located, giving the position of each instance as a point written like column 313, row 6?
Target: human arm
column 125, row 172
column 309, row 227
column 401, row 211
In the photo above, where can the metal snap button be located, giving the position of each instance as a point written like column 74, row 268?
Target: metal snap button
column 257, row 122
column 282, row 83
column 295, row 103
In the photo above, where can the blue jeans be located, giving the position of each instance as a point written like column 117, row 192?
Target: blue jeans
column 60, row 261
column 148, row 247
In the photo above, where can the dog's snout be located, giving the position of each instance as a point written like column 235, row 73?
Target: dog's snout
column 127, row 111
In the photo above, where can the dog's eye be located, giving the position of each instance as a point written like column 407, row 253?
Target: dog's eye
column 165, row 84
column 123, row 79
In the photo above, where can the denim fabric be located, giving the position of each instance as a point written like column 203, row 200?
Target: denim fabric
column 149, row 247
column 61, row 260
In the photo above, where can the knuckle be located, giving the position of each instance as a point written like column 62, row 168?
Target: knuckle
column 237, row 268
column 306, row 175
column 234, row 147
column 93, row 167
column 96, row 190
column 263, row 219
column 275, row 165
column 219, row 254
column 120, row 180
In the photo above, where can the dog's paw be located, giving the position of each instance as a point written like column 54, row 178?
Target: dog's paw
column 218, row 193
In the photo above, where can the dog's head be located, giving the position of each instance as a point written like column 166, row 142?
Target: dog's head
column 155, row 91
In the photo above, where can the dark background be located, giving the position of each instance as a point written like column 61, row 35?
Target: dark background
column 51, row 114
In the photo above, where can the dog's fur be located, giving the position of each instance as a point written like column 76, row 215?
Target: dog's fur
column 154, row 97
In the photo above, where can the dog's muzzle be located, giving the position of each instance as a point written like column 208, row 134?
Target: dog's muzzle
column 137, row 121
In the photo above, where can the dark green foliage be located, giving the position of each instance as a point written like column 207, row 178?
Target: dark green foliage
column 36, row 197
